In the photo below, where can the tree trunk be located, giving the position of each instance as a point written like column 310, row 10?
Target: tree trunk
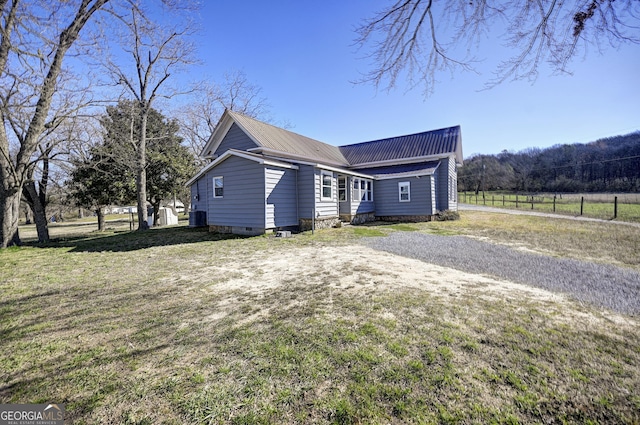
column 141, row 188
column 27, row 214
column 156, row 215
column 141, row 178
column 100, row 214
column 38, row 209
column 174, row 207
column 10, row 214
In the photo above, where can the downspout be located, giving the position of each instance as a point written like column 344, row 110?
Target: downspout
column 337, row 195
column 313, row 212
column 197, row 192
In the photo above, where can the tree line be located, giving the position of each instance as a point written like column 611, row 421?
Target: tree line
column 606, row 165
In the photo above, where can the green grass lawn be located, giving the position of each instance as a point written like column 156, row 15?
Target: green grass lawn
column 177, row 325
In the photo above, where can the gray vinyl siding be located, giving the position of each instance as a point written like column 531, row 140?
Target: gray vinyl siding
column 306, row 201
column 243, row 201
column 199, row 192
column 281, row 206
column 453, row 174
column 433, row 195
column 387, row 200
column 326, row 208
column 235, row 139
column 446, row 175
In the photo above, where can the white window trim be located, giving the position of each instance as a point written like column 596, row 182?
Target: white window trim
column 343, row 189
column 322, row 186
column 358, row 192
column 214, row 186
column 400, row 186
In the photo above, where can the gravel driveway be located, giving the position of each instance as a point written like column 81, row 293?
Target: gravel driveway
column 606, row 286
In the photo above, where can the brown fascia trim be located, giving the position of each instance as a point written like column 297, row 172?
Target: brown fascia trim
column 287, row 155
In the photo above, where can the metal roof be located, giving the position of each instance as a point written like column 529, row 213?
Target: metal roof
column 281, row 140
column 280, row 143
column 429, row 143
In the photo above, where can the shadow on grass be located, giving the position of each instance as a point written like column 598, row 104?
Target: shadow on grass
column 124, row 241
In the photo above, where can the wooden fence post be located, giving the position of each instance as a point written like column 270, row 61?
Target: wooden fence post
column 516, row 201
column 503, row 200
column 615, row 207
column 581, row 205
column 554, row 203
column 531, row 201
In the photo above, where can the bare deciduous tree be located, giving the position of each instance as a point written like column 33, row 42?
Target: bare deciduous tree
column 200, row 116
column 60, row 128
column 35, row 38
column 413, row 38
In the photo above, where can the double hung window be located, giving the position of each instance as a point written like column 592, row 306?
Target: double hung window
column 326, row 185
column 218, row 187
column 342, row 189
column 362, row 189
column 404, row 191
column 368, row 191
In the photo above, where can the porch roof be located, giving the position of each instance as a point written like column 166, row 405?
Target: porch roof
column 402, row 170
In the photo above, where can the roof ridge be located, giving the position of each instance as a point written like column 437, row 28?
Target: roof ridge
column 402, row 136
column 277, row 128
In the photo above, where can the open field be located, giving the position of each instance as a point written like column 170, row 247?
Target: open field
column 595, row 205
column 177, row 325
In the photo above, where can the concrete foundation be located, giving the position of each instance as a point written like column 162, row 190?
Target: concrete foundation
column 406, row 218
column 320, row 223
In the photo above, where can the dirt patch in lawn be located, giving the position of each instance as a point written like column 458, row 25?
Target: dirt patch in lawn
column 362, row 271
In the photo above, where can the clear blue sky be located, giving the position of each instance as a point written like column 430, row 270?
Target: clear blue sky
column 301, row 54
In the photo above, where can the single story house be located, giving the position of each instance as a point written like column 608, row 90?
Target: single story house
column 263, row 178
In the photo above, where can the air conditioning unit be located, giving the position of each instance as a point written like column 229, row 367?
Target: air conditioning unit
column 197, row 218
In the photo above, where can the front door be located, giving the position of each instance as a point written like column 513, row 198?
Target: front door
column 343, row 195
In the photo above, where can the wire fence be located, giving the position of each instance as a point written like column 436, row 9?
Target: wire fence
column 622, row 207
